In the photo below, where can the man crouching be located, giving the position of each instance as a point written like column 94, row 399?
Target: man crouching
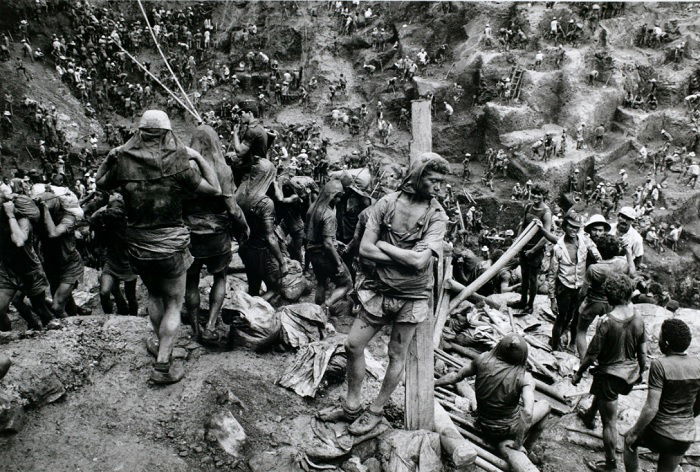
column 404, row 232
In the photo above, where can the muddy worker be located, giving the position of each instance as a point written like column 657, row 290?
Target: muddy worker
column 567, row 269
column 62, row 262
column 321, row 247
column 502, row 384
column 261, row 253
column 630, row 236
column 154, row 174
column 619, row 347
column 595, row 302
column 211, row 220
column 109, row 226
column 666, row 423
column 250, row 138
column 348, row 209
column 20, row 268
column 533, row 252
column 404, row 233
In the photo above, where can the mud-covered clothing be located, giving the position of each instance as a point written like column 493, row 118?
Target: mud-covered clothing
column 109, row 225
column 397, row 280
column 62, row 261
column 208, row 220
column 348, row 214
column 531, row 213
column 260, row 217
column 498, row 386
column 615, row 345
column 597, row 274
column 255, row 137
column 20, row 267
column 678, row 378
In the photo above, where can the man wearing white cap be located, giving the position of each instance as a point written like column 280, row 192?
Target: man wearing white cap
column 156, row 172
column 630, row 237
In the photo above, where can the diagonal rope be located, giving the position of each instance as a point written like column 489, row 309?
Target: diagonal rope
column 172, row 94
column 187, row 98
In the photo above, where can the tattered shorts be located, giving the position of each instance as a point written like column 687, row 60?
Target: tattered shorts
column 171, row 266
column 378, row 309
column 31, row 283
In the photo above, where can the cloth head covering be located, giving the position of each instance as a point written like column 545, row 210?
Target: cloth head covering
column 255, row 184
column 321, row 206
column 417, row 168
column 512, row 349
column 150, row 159
column 206, row 142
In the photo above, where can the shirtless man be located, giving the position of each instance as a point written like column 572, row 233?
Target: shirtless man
column 405, row 231
column 154, row 173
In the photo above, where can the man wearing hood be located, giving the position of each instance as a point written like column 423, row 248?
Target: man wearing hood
column 321, row 247
column 404, row 233
column 155, row 174
column 20, row 268
column 210, row 219
column 261, row 254
column 502, row 384
column 348, row 209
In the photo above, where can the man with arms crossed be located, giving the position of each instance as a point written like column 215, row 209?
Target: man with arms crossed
column 405, row 231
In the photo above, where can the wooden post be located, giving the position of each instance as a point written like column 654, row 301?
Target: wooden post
column 419, row 397
column 421, row 126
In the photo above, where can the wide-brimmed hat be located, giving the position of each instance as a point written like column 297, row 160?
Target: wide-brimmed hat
column 596, row 220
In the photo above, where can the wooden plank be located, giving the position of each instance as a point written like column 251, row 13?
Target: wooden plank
column 461, row 452
column 419, row 397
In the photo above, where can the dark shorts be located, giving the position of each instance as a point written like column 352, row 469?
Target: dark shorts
column 214, row 264
column 65, row 272
column 170, row 267
column 325, row 269
column 608, row 387
column 397, row 310
column 661, row 444
column 119, row 267
column 534, row 261
column 204, row 246
column 260, row 264
column 589, row 312
column 31, row 284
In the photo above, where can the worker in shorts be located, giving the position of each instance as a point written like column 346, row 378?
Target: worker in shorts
column 666, row 424
column 405, row 231
column 156, row 172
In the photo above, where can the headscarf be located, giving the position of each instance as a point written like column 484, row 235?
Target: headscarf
column 321, row 207
column 512, row 349
column 417, row 168
column 149, row 159
column 206, row 142
column 255, row 184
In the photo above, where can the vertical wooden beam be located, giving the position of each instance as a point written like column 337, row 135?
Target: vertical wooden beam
column 419, row 406
column 421, row 126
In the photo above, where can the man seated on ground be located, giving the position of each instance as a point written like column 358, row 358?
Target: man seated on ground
column 404, row 232
column 321, row 247
column 619, row 347
column 502, row 384
column 666, row 424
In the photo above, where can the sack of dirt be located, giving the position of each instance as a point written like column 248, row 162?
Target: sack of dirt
column 284, row 459
column 410, row 451
column 294, row 284
column 360, row 178
column 257, row 326
column 224, row 429
column 301, row 324
column 322, row 362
